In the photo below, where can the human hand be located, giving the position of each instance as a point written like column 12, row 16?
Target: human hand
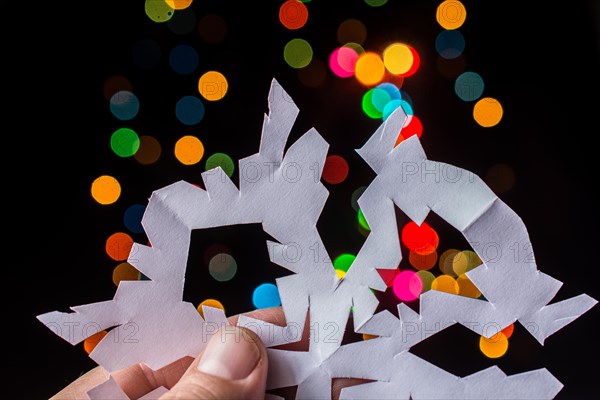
column 233, row 365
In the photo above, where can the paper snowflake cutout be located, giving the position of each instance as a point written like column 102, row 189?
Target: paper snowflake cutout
column 283, row 192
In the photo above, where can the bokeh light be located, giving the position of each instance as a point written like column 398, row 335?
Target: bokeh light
column 367, row 102
column 421, row 239
column 114, row 84
column 222, row 267
column 297, row 53
column 415, row 64
column 422, row 262
column 407, row 285
column 376, row 3
column 106, row 189
column 132, row 218
column 469, row 86
column 266, row 295
column 340, row 274
column 210, row 303
column 124, row 105
column 212, row 28
column 125, row 272
column 182, row 22
column 355, row 196
column 342, row 61
column 183, row 59
column 149, row 150
column 118, row 246
column 397, row 58
column 369, row 69
column 501, row 178
column 344, row 261
column 427, row 279
column 213, row 250
column 179, row 4
column 446, row 261
column 388, row 275
column 362, row 221
column 508, row 331
column 445, row 283
column 189, row 110
column 451, row 14
column 314, row 74
column 466, row 287
column 451, row 68
column 91, row 342
column 335, row 169
column 146, row 53
column 494, row 347
column 158, row 10
column 488, row 112
column 465, row 261
column 220, row 160
column 124, row 142
column 412, row 126
column 450, row 44
column 189, row 150
column 293, row 14
column 351, row 31
column 366, row 336
column 213, row 85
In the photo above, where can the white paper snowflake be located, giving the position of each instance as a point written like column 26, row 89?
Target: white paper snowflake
column 151, row 324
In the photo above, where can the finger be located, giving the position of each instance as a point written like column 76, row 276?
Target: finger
column 233, row 366
column 79, row 387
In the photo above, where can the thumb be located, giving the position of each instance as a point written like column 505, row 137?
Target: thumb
column 232, row 366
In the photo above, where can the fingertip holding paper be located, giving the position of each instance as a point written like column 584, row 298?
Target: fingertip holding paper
column 274, row 191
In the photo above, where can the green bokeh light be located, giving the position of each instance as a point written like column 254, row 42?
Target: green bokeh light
column 124, row 142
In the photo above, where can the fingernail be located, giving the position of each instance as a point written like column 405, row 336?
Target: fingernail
column 230, row 354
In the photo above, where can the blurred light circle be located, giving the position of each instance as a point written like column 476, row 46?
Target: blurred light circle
column 469, row 86
column 293, row 14
column 149, row 151
column 106, row 189
column 189, row 150
column 369, row 69
column 132, row 218
column 351, row 30
column 297, row 53
column 220, row 160
column 407, row 285
column 182, row 22
column 124, row 105
column 266, row 295
column 189, row 110
column 213, row 85
column 451, row 14
column 450, row 44
column 124, row 142
column 158, row 10
column 183, row 59
column 488, row 112
column 222, row 267
column 397, row 58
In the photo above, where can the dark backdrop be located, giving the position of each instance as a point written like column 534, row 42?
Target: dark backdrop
column 541, row 61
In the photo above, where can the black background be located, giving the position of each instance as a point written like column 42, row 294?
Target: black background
column 540, row 60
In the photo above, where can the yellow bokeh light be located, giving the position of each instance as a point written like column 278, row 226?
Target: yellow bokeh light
column 369, row 69
column 179, row 4
column 465, row 261
column 340, row 273
column 366, row 336
column 189, row 150
column 451, row 14
column 210, row 303
column 494, row 347
column 397, row 58
column 213, row 85
column 488, row 112
column 125, row 272
column 106, row 189
column 467, row 288
column 445, row 261
column 445, row 283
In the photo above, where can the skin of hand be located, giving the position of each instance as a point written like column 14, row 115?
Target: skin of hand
column 233, row 366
